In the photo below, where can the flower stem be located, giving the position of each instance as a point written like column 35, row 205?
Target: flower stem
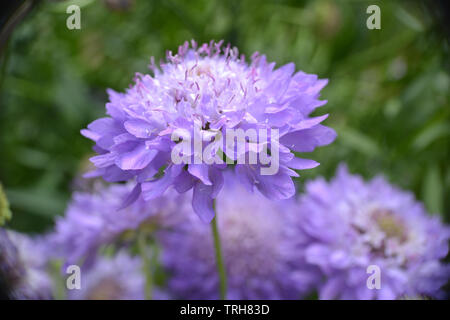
column 142, row 244
column 219, row 259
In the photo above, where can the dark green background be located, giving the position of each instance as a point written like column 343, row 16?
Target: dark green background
column 388, row 95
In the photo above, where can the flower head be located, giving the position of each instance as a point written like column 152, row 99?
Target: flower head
column 22, row 267
column 208, row 92
column 354, row 225
column 11, row 269
column 116, row 278
column 258, row 246
column 96, row 219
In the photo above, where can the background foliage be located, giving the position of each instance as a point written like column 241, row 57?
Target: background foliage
column 388, row 92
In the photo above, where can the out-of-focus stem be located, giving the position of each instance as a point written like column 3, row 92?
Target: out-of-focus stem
column 219, row 258
column 143, row 251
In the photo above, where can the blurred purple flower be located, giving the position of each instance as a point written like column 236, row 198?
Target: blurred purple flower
column 212, row 88
column 352, row 224
column 258, row 244
column 116, row 278
column 95, row 219
column 23, row 267
column 11, row 268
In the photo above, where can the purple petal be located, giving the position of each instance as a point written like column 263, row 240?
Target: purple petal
column 138, row 128
column 115, row 174
column 217, row 180
column 301, row 164
column 200, row 171
column 202, row 202
column 156, row 188
column 307, row 140
column 184, row 182
column 276, row 187
column 90, row 134
column 103, row 160
column 137, row 159
column 103, row 125
column 245, row 176
column 132, row 197
column 93, row 173
column 159, row 143
column 310, row 122
column 278, row 118
column 124, row 138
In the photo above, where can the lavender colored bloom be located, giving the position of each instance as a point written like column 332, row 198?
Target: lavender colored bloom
column 352, row 224
column 117, row 278
column 212, row 88
column 258, row 246
column 95, row 219
column 11, row 269
column 22, row 267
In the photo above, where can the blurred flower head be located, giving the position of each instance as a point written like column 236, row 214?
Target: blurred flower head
column 207, row 91
column 259, row 250
column 11, row 269
column 96, row 219
column 114, row 278
column 23, row 272
column 352, row 224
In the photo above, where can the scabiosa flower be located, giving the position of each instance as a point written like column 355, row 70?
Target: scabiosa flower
column 115, row 278
column 23, row 267
column 95, row 219
column 11, row 269
column 207, row 91
column 352, row 225
column 258, row 247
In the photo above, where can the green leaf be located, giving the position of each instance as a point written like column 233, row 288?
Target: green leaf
column 42, row 204
column 433, row 190
column 358, row 141
column 5, row 212
column 429, row 134
column 409, row 19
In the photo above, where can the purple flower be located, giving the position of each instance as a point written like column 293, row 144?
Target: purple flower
column 117, row 278
column 207, row 91
column 23, row 267
column 258, row 245
column 95, row 219
column 11, row 269
column 352, row 225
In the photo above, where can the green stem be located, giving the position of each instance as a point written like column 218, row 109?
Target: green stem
column 142, row 244
column 59, row 284
column 219, row 258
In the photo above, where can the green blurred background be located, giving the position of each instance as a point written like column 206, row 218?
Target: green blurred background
column 388, row 91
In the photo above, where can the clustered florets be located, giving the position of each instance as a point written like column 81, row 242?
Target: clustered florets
column 259, row 249
column 93, row 220
column 205, row 91
column 23, row 262
column 352, row 225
